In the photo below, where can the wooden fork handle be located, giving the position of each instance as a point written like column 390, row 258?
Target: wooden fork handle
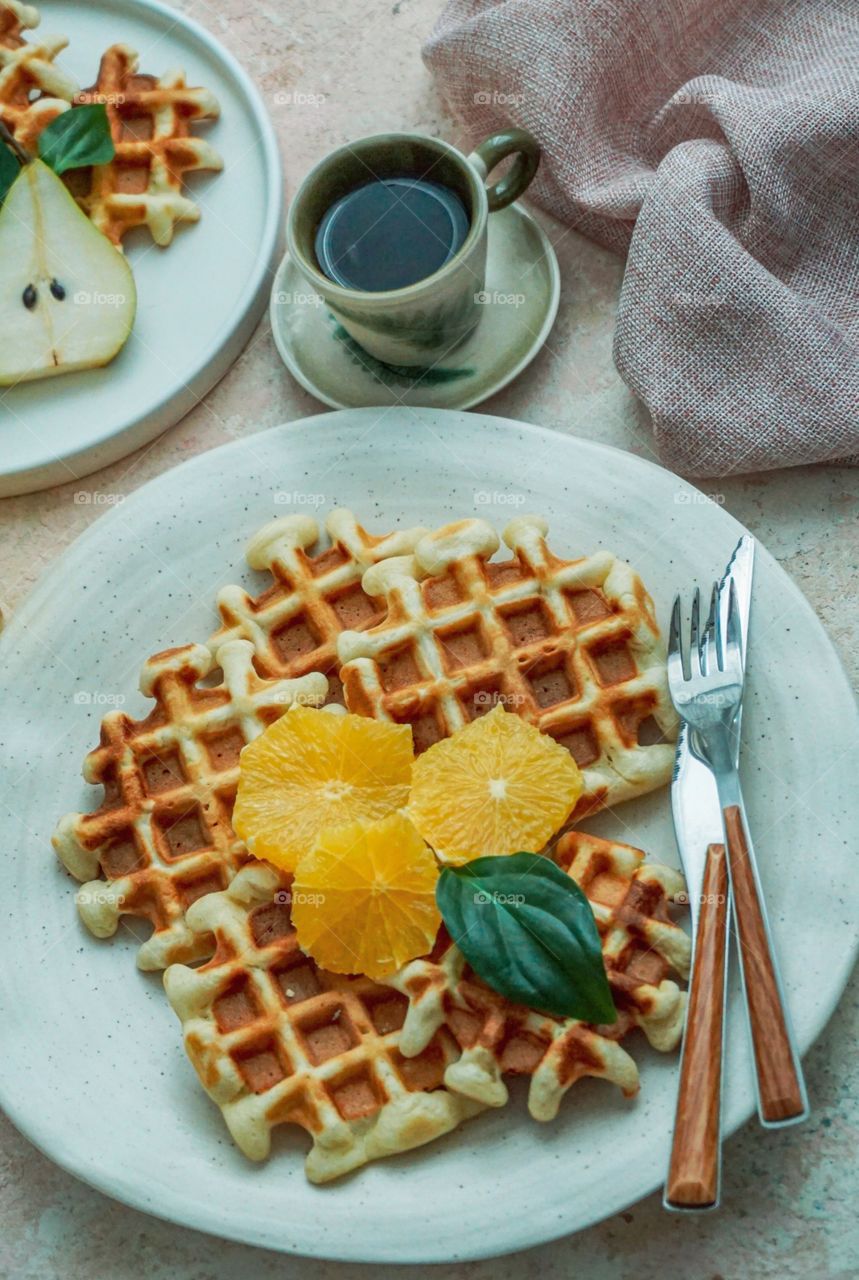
column 781, row 1091
column 693, row 1174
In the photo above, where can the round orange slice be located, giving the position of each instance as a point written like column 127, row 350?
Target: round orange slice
column 363, row 899
column 312, row 769
column 498, row 786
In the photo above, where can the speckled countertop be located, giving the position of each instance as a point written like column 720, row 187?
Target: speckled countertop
column 789, row 1198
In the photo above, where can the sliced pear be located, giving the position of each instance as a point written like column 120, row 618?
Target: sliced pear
column 67, row 296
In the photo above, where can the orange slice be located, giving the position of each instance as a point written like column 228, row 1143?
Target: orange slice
column 498, row 786
column 312, row 769
column 363, row 899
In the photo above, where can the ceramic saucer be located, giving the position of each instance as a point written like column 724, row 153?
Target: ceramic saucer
column 519, row 303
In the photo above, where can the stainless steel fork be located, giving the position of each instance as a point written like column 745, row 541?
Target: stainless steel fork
column 707, row 689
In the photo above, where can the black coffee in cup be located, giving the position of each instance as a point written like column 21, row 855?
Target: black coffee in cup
column 389, row 233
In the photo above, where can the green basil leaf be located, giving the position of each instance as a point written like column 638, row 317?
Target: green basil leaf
column 77, row 138
column 527, row 929
column 9, row 170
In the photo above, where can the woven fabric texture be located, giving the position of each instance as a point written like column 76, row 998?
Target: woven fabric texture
column 716, row 144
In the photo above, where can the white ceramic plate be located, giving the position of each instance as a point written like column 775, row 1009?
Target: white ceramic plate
column 199, row 299
column 93, row 1068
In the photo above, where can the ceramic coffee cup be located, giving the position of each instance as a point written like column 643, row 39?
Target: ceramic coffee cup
column 415, row 325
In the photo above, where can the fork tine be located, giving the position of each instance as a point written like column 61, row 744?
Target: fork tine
column 694, row 637
column 734, row 631
column 718, row 629
column 708, row 651
column 676, row 664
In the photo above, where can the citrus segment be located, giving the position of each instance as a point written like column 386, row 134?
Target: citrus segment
column 497, row 786
column 311, row 769
column 363, row 899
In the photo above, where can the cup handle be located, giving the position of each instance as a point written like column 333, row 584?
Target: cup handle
column 496, row 148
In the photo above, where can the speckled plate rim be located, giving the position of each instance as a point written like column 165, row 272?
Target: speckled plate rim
column 506, row 374
column 553, row 1212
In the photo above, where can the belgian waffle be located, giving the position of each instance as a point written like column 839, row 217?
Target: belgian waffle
column 33, row 90
column 294, row 624
column 275, row 1040
column 573, row 646
column 150, row 123
column 162, row 836
column 642, row 948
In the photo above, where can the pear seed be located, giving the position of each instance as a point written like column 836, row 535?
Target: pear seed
column 57, row 290
column 29, row 297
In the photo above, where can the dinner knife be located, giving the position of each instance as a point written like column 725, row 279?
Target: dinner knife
column 693, row 1181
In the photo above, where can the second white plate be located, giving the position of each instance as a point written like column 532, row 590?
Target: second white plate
column 199, row 299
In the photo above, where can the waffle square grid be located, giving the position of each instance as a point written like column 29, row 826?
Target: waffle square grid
column 277, row 1041
column 573, row 646
column 162, row 836
column 315, row 594
column 643, row 951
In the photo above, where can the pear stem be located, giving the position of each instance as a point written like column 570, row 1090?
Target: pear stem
column 12, row 142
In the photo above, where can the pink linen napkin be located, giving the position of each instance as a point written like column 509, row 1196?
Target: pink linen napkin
column 716, row 143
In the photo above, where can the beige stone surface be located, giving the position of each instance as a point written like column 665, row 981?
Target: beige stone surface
column 331, row 71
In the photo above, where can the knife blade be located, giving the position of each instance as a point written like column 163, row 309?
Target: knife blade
column 695, row 804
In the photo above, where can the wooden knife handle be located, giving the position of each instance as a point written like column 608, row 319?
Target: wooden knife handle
column 693, row 1174
column 782, row 1095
